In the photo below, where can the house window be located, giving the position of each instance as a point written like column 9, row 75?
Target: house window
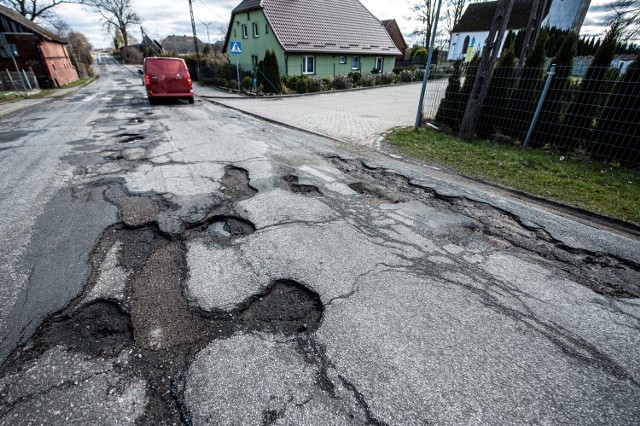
column 343, row 59
column 245, row 34
column 255, row 30
column 355, row 63
column 379, row 63
column 308, row 65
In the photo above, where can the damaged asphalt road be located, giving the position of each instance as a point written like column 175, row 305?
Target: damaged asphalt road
column 184, row 264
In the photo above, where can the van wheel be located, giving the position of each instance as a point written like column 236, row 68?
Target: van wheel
column 152, row 101
column 191, row 100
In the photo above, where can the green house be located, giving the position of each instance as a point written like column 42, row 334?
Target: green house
column 323, row 38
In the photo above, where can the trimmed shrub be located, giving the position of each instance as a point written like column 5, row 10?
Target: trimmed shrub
column 269, row 72
column 342, row 82
column 233, row 84
column 302, row 84
column 247, row 84
column 315, row 84
column 406, row 76
column 355, row 78
column 328, row 83
column 419, row 76
column 368, row 80
column 387, row 78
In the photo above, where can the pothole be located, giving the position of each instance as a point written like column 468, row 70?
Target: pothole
column 236, row 185
column 602, row 272
column 148, row 317
column 375, row 192
column 129, row 137
column 221, row 229
column 297, row 188
column 286, row 307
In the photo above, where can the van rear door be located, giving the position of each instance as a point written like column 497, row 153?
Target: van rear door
column 177, row 77
column 155, row 69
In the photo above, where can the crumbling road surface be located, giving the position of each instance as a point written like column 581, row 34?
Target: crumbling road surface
column 183, row 264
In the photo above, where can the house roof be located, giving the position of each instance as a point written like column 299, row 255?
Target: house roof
column 22, row 24
column 328, row 26
column 395, row 33
column 478, row 16
column 180, row 44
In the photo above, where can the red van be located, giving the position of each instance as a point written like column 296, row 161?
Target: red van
column 167, row 78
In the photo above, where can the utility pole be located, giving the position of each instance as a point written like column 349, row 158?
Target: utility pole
column 488, row 59
column 428, row 66
column 195, row 41
column 533, row 28
column 206, row 24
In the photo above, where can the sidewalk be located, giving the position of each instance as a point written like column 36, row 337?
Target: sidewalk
column 17, row 105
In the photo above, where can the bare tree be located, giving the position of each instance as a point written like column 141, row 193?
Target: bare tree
column 34, row 9
column 425, row 13
column 626, row 13
column 116, row 15
column 57, row 26
column 454, row 12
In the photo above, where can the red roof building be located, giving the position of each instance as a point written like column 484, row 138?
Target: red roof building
column 37, row 49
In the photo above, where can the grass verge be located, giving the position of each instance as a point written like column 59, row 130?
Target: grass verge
column 45, row 93
column 607, row 189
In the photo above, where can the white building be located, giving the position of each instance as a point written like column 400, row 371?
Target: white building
column 472, row 29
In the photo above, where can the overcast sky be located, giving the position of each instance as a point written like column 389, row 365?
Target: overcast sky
column 161, row 18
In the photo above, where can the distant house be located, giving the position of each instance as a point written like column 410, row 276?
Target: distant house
column 309, row 37
column 37, row 49
column 472, row 29
column 398, row 39
column 182, row 45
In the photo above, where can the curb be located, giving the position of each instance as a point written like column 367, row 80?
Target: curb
column 300, row 95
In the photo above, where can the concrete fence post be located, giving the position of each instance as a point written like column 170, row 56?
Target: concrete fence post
column 534, row 120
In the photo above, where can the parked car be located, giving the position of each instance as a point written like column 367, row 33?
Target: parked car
column 166, row 78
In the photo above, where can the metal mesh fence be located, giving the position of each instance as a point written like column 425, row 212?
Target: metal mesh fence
column 597, row 114
column 14, row 81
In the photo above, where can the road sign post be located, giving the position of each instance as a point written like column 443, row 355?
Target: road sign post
column 236, row 49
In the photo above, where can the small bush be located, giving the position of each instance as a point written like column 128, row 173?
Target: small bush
column 91, row 72
column 247, row 84
column 134, row 56
column 233, row 84
column 368, row 80
column 419, row 74
column 406, row 76
column 302, row 84
column 289, row 81
column 316, row 84
column 387, row 78
column 328, row 83
column 375, row 71
column 342, row 82
column 355, row 78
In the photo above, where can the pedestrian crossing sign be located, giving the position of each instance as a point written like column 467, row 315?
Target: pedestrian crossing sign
column 236, row 47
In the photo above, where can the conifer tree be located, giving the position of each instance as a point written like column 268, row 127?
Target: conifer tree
column 529, row 87
column 494, row 111
column 578, row 122
column 448, row 114
column 552, row 106
column 618, row 132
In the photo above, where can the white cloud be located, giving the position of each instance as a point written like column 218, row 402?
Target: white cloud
column 164, row 17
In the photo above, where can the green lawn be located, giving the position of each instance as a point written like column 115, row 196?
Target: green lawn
column 607, row 189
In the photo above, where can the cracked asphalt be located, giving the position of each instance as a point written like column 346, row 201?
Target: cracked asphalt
column 188, row 264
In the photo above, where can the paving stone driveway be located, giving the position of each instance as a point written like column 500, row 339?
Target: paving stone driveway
column 357, row 116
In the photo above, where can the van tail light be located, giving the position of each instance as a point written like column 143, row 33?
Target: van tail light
column 147, row 81
column 189, row 82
